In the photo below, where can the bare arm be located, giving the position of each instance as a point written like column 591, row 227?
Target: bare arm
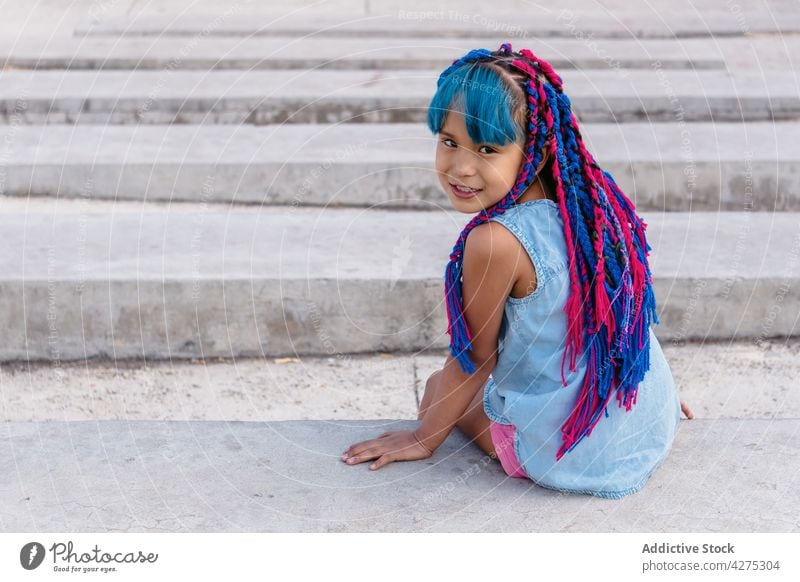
column 490, row 269
column 454, row 392
column 491, row 257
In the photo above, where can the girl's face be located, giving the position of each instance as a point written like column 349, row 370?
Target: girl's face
column 486, row 171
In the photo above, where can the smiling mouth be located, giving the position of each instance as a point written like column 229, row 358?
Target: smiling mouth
column 461, row 193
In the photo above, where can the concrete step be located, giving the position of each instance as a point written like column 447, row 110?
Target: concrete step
column 720, row 476
column 671, row 166
column 157, row 281
column 175, row 53
column 719, row 380
column 264, row 97
column 523, row 23
column 752, row 52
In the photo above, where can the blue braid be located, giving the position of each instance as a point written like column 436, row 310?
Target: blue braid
column 574, row 200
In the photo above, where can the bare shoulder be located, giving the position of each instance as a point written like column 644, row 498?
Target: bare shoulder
column 493, row 241
column 493, row 248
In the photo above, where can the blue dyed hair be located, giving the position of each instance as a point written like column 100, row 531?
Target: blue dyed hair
column 493, row 108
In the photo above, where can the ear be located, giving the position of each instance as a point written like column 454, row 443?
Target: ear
column 547, row 151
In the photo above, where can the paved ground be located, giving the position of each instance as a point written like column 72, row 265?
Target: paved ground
column 721, row 476
column 738, row 380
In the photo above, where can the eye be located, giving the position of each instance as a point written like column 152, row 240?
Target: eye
column 445, row 140
column 491, row 150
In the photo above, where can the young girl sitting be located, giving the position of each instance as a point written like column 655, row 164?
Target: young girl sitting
column 548, row 292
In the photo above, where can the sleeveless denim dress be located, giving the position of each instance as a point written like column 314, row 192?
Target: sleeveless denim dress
column 525, row 389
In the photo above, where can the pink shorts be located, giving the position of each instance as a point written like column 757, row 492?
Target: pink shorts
column 503, row 439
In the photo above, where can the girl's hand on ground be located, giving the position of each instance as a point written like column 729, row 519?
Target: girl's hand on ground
column 390, row 446
column 686, row 410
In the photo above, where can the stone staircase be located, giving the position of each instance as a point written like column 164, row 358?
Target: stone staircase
column 176, row 190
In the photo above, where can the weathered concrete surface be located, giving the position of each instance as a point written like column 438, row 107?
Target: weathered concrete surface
column 661, row 166
column 382, row 18
column 473, row 19
column 752, row 52
column 204, row 52
column 345, row 387
column 721, row 476
column 133, row 280
column 264, row 97
column 717, row 380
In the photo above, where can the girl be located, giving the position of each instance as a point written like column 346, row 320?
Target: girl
column 548, row 292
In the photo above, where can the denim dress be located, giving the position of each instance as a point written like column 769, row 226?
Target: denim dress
column 525, row 389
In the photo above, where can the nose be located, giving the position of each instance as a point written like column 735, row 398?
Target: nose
column 463, row 163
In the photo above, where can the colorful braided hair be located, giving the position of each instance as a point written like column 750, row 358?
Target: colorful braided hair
column 611, row 300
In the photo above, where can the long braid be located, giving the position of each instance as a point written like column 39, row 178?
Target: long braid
column 611, row 298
